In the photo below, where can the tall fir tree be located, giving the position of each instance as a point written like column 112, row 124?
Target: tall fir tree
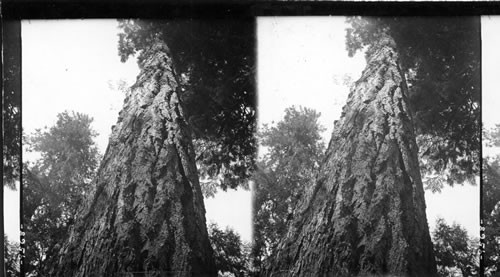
column 366, row 212
column 146, row 213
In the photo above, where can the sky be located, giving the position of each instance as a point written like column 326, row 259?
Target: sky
column 490, row 26
column 74, row 65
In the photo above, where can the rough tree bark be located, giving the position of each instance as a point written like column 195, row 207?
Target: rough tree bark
column 366, row 213
column 146, row 212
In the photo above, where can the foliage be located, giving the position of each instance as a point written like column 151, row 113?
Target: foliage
column 440, row 57
column 491, row 203
column 491, row 214
column 491, row 179
column 214, row 60
column 12, row 257
column 455, row 250
column 54, row 185
column 231, row 255
column 11, row 103
column 216, row 170
column 294, row 152
column 491, row 137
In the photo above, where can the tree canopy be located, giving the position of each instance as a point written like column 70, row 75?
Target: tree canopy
column 491, row 214
column 440, row 57
column 11, row 102
column 55, row 184
column 491, row 203
column 231, row 255
column 11, row 255
column 294, row 151
column 454, row 249
column 492, row 136
column 215, row 67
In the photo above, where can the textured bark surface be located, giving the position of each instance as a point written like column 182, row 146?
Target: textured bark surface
column 366, row 213
column 146, row 212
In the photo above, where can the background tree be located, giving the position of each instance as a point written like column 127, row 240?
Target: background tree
column 294, row 151
column 147, row 206
column 12, row 255
column 491, row 215
column 230, row 253
column 454, row 250
column 491, row 204
column 491, row 137
column 55, row 184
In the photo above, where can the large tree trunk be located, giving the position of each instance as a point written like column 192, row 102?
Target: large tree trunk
column 366, row 213
column 146, row 212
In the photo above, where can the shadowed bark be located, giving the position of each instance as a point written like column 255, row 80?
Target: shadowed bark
column 146, row 212
column 365, row 214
